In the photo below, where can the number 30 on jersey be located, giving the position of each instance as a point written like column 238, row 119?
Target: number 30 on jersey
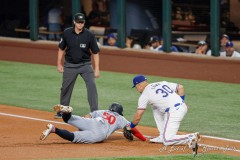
column 165, row 90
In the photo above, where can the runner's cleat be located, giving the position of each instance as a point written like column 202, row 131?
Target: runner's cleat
column 46, row 132
column 61, row 108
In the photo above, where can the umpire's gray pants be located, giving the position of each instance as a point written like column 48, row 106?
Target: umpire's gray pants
column 70, row 75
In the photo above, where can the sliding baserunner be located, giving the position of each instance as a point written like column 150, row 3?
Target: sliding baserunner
column 95, row 127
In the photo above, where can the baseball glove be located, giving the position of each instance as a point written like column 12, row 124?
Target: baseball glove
column 127, row 132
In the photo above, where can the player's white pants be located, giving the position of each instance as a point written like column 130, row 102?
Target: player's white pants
column 168, row 124
column 159, row 119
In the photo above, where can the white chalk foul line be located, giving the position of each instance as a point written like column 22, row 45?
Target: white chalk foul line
column 35, row 119
column 207, row 147
column 219, row 138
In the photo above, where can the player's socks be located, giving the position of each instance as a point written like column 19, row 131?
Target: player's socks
column 66, row 116
column 65, row 134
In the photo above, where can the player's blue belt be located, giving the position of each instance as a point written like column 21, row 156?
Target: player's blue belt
column 175, row 105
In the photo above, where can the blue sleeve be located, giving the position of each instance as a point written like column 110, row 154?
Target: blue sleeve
column 161, row 48
column 174, row 49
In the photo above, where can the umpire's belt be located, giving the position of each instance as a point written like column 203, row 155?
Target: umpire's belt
column 175, row 105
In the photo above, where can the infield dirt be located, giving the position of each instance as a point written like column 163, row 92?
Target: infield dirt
column 19, row 138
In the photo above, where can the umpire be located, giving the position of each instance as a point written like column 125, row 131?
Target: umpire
column 74, row 58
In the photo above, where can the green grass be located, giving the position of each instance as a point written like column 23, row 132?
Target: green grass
column 167, row 157
column 214, row 106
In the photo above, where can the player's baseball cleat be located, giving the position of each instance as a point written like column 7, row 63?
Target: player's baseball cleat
column 46, row 132
column 194, row 143
column 195, row 149
column 61, row 108
column 156, row 140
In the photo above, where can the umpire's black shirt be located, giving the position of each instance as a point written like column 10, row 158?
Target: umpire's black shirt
column 78, row 46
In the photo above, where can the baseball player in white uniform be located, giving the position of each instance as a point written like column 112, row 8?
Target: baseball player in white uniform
column 94, row 127
column 169, row 109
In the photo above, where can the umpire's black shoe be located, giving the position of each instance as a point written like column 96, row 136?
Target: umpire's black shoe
column 58, row 115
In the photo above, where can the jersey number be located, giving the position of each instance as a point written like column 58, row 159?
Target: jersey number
column 110, row 118
column 165, row 90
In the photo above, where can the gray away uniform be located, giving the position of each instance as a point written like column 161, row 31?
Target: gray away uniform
column 98, row 128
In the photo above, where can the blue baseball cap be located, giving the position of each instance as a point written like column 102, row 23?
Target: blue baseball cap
column 138, row 79
column 229, row 44
column 112, row 35
column 154, row 39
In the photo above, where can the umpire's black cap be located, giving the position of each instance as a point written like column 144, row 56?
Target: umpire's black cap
column 79, row 17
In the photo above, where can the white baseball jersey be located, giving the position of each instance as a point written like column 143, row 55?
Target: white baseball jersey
column 168, row 110
column 161, row 95
column 155, row 49
column 234, row 54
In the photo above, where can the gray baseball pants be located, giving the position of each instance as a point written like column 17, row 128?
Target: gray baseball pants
column 91, row 130
column 70, row 75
